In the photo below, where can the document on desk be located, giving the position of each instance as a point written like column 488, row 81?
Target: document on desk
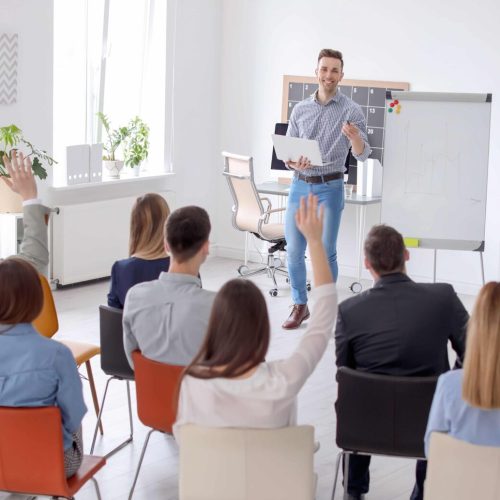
column 292, row 148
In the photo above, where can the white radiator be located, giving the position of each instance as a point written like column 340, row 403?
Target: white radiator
column 88, row 238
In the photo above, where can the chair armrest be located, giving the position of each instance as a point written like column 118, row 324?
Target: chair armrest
column 236, row 176
column 268, row 201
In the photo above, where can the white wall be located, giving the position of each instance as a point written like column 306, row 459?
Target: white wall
column 33, row 21
column 447, row 46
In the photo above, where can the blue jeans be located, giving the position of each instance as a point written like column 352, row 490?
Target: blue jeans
column 331, row 195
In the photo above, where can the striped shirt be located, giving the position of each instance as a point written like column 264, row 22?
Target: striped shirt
column 312, row 120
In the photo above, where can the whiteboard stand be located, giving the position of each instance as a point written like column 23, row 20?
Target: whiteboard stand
column 480, row 258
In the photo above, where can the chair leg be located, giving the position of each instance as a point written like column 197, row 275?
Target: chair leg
column 337, row 467
column 97, row 491
column 346, row 474
column 131, row 437
column 93, row 392
column 140, row 463
column 100, row 414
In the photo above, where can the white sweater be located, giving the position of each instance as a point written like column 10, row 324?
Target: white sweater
column 268, row 398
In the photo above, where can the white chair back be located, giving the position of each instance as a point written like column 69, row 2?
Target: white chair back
column 461, row 471
column 246, row 464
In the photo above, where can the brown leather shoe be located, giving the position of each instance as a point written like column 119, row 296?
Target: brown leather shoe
column 299, row 313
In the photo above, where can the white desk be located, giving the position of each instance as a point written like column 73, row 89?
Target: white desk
column 361, row 202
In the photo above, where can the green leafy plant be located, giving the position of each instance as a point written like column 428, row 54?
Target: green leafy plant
column 136, row 148
column 11, row 137
column 115, row 137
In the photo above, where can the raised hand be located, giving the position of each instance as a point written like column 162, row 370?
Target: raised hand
column 21, row 179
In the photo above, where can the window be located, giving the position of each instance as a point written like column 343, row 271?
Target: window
column 109, row 56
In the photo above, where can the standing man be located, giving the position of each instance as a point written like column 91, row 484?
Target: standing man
column 338, row 124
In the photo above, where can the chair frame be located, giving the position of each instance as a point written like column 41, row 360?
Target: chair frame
column 279, row 244
column 348, row 452
column 117, row 448
column 142, row 397
column 51, row 418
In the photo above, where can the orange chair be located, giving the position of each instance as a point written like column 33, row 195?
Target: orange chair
column 47, row 325
column 32, row 456
column 155, row 386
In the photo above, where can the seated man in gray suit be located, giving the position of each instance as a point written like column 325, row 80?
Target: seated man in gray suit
column 166, row 318
column 34, row 246
column 398, row 327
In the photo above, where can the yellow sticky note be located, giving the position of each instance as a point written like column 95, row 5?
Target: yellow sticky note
column 411, row 242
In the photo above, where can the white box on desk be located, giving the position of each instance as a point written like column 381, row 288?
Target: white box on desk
column 77, row 164
column 369, row 178
column 95, row 167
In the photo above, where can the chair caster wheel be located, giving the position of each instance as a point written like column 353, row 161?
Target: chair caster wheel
column 273, row 292
column 356, row 287
column 242, row 270
column 287, row 280
column 308, row 287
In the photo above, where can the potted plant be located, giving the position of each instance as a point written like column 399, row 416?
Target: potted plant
column 136, row 148
column 11, row 138
column 115, row 137
column 133, row 139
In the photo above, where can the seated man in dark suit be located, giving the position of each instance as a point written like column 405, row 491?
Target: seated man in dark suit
column 398, row 327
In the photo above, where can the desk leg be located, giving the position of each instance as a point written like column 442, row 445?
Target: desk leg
column 361, row 233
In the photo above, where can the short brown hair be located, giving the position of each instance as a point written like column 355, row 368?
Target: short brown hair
column 336, row 54
column 186, row 230
column 481, row 376
column 147, row 220
column 237, row 335
column 21, row 295
column 385, row 250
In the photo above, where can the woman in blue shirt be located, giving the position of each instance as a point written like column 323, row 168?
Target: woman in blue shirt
column 466, row 404
column 148, row 257
column 34, row 370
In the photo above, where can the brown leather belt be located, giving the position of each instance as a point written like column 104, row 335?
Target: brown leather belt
column 320, row 179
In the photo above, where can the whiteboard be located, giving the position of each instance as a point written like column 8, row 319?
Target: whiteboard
column 436, row 168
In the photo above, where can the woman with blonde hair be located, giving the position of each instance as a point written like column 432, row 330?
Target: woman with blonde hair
column 148, row 257
column 466, row 404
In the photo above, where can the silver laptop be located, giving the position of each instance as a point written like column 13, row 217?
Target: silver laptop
column 292, row 148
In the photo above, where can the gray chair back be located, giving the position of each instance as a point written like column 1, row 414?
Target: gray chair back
column 383, row 414
column 113, row 359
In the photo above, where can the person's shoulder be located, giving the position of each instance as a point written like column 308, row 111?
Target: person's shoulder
column 450, row 383
column 359, row 300
column 439, row 289
column 144, row 289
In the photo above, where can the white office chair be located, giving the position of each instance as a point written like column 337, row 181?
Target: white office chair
column 246, row 464
column 458, row 470
column 250, row 215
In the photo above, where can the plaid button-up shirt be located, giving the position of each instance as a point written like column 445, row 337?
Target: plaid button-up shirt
column 323, row 122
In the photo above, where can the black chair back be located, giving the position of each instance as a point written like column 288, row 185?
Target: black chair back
column 113, row 359
column 383, row 414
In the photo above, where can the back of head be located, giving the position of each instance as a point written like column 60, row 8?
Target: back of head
column 186, row 231
column 385, row 250
column 21, row 295
column 237, row 335
column 147, row 220
column 481, row 381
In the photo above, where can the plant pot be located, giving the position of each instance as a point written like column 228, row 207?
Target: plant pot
column 113, row 168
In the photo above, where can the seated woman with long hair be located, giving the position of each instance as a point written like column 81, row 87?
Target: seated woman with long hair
column 34, row 370
column 148, row 257
column 466, row 403
column 229, row 383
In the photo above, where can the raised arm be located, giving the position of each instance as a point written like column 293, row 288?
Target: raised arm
column 34, row 246
column 297, row 368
